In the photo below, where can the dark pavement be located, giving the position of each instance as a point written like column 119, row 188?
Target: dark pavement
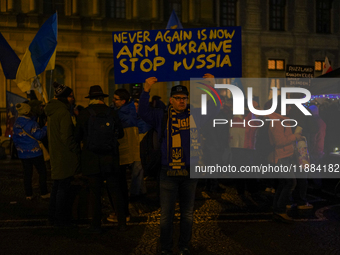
column 225, row 223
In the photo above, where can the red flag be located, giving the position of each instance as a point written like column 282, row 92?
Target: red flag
column 326, row 67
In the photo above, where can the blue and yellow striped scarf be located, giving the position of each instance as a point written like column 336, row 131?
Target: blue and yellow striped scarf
column 174, row 143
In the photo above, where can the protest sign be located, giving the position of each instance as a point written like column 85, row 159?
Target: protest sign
column 296, row 75
column 176, row 54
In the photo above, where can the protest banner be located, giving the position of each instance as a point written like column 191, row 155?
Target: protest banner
column 176, row 54
column 296, row 75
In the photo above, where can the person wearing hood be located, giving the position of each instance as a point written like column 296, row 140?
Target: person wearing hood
column 26, row 134
column 64, row 153
column 282, row 138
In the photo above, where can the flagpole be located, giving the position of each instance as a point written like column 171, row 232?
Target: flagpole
column 43, row 92
column 8, row 82
column 43, row 97
column 49, row 95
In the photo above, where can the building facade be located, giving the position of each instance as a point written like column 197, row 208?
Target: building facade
column 274, row 33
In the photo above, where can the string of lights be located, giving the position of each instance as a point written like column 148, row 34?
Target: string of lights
column 314, row 98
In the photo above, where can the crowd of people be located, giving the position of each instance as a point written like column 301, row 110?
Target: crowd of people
column 100, row 143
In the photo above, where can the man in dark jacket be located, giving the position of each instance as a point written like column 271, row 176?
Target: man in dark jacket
column 174, row 174
column 64, row 153
column 104, row 165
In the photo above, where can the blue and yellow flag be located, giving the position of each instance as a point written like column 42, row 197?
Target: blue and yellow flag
column 9, row 60
column 11, row 113
column 174, row 22
column 40, row 55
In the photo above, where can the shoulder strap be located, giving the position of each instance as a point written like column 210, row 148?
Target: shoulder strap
column 29, row 135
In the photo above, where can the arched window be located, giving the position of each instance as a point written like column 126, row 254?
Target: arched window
column 58, row 75
column 51, row 6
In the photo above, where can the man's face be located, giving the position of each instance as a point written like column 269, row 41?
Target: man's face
column 179, row 102
column 71, row 99
column 117, row 101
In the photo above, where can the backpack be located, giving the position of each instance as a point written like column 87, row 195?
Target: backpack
column 150, row 150
column 262, row 144
column 102, row 137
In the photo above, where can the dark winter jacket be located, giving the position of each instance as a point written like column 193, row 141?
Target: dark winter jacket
column 143, row 127
column 93, row 163
column 155, row 117
column 64, row 150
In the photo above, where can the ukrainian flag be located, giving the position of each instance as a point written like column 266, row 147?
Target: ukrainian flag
column 9, row 60
column 40, row 55
column 174, row 22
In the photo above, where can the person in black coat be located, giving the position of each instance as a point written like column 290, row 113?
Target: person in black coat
column 103, row 165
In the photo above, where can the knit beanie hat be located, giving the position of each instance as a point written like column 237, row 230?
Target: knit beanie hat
column 60, row 90
column 23, row 108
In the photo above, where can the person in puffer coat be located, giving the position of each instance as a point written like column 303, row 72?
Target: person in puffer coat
column 29, row 150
